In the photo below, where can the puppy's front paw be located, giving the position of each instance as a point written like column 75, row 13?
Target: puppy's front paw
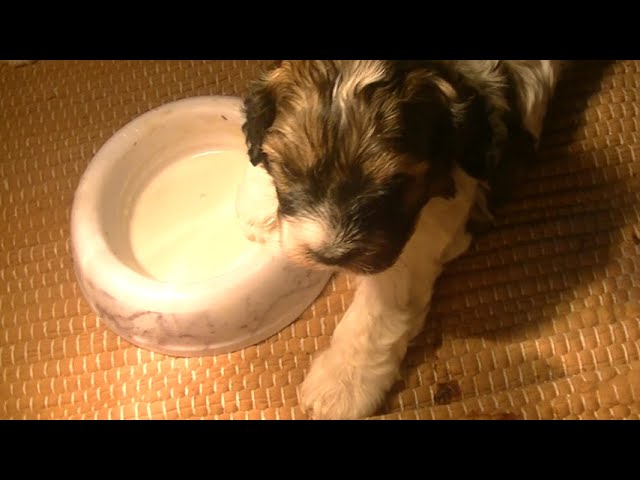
column 336, row 390
column 257, row 205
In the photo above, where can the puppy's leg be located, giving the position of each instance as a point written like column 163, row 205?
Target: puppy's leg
column 460, row 243
column 349, row 379
column 257, row 205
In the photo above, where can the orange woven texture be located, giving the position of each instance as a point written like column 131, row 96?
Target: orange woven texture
column 539, row 320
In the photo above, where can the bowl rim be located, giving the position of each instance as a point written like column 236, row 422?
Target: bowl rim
column 92, row 255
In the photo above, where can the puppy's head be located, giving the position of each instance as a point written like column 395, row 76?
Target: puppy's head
column 355, row 149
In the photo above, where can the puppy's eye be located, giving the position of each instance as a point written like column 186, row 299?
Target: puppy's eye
column 401, row 180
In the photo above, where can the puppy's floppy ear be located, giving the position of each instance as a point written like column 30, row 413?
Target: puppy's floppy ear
column 260, row 111
column 428, row 129
column 498, row 160
column 475, row 136
column 518, row 154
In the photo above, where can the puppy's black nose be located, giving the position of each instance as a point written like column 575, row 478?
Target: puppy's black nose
column 333, row 256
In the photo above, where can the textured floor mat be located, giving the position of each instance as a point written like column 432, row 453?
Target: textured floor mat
column 540, row 319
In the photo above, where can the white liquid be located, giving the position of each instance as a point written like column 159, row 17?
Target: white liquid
column 184, row 226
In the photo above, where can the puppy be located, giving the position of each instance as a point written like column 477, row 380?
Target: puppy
column 375, row 166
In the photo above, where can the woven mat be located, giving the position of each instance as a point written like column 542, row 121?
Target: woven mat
column 540, row 320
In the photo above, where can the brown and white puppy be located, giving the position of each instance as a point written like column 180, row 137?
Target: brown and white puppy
column 374, row 166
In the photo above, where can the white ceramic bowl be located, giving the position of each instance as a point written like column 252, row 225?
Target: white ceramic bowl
column 261, row 293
